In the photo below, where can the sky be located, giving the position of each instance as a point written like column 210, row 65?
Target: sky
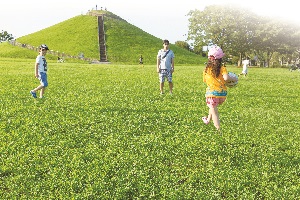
column 164, row 19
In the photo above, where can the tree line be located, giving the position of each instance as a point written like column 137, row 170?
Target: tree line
column 241, row 33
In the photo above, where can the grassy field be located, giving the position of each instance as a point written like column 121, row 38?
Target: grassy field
column 104, row 132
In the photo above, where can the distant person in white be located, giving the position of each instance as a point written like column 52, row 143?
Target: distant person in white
column 165, row 66
column 245, row 63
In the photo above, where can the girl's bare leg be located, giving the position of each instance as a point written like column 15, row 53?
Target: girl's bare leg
column 214, row 115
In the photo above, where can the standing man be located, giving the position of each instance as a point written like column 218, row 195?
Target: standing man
column 165, row 66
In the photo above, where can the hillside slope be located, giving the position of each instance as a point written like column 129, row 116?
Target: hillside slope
column 124, row 41
column 73, row 36
column 9, row 51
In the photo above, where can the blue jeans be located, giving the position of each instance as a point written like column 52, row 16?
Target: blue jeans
column 43, row 79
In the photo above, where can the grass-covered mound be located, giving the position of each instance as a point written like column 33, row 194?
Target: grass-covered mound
column 9, row 51
column 124, row 41
column 73, row 36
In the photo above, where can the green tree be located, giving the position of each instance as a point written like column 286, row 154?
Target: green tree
column 229, row 27
column 241, row 33
column 276, row 36
column 5, row 36
column 183, row 45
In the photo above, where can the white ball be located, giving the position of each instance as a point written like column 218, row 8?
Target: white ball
column 231, row 84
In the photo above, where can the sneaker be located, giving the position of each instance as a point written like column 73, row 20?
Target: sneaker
column 204, row 119
column 33, row 94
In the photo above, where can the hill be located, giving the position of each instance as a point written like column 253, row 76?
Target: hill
column 124, row 41
column 10, row 51
column 73, row 36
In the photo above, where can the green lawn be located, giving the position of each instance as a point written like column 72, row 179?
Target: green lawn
column 104, row 132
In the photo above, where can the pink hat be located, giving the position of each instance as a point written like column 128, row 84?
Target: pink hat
column 216, row 52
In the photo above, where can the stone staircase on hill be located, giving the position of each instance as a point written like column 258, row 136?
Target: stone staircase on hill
column 101, row 39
